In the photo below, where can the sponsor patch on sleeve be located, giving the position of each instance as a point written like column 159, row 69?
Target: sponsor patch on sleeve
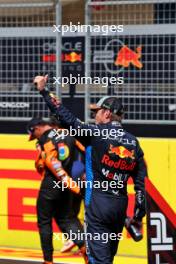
column 63, row 151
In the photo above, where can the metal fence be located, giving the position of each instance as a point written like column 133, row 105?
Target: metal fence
column 28, row 47
column 144, row 54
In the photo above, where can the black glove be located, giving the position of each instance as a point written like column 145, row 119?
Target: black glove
column 140, row 206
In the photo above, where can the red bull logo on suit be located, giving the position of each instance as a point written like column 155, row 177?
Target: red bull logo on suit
column 122, row 152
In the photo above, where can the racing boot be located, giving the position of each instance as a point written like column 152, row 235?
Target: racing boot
column 68, row 246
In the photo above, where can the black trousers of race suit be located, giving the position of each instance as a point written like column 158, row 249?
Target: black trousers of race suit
column 105, row 215
column 55, row 203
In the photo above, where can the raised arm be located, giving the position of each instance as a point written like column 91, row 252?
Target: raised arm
column 65, row 116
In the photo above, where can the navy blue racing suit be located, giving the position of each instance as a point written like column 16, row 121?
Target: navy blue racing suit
column 112, row 156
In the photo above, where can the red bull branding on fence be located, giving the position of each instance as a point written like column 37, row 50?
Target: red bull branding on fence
column 73, row 57
column 127, row 56
column 116, row 56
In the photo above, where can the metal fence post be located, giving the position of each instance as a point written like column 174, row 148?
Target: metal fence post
column 58, row 46
column 87, row 61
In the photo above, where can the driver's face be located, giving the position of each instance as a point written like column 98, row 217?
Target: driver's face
column 101, row 116
column 38, row 131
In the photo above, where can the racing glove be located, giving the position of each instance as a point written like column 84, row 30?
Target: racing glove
column 140, row 206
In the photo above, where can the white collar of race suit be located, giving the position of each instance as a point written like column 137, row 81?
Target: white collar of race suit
column 116, row 123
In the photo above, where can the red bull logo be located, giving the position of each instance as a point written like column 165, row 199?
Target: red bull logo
column 122, row 152
column 120, row 164
column 73, row 57
column 126, row 56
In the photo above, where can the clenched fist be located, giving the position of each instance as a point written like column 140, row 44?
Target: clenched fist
column 40, row 81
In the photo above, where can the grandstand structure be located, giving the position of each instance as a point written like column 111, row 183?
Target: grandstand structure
column 143, row 54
